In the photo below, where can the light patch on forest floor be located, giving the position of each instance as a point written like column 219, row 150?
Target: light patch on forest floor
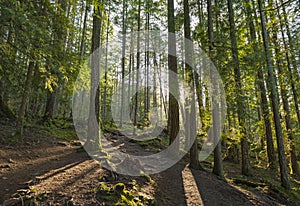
column 60, row 174
column 191, row 191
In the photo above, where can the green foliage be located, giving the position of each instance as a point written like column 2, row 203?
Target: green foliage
column 118, row 194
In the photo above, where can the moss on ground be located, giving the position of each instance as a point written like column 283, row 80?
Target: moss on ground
column 120, row 194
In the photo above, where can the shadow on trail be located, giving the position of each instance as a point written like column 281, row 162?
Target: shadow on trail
column 170, row 188
column 180, row 185
column 26, row 174
column 217, row 192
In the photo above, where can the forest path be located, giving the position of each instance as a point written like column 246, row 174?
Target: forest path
column 182, row 186
column 66, row 174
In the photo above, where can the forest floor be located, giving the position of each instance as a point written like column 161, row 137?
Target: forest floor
column 50, row 168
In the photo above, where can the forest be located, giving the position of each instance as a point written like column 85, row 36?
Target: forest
column 149, row 102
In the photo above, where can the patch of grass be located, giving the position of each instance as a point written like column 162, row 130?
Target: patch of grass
column 155, row 144
column 58, row 133
column 64, row 134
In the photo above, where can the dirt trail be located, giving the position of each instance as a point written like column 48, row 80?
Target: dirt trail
column 63, row 173
column 179, row 185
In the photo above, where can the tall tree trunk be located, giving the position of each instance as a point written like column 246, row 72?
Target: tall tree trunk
column 104, row 104
column 137, row 69
column 284, row 97
column 155, row 68
column 292, row 48
column 290, row 57
column 263, row 94
column 93, row 131
column 239, row 93
column 173, row 117
column 271, row 81
column 288, row 123
column 123, row 59
column 147, row 62
column 218, row 164
column 59, row 39
column 191, row 115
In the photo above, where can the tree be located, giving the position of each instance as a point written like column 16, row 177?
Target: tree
column 271, row 83
column 123, row 58
column 263, row 94
column 137, row 68
column 218, row 165
column 239, row 93
column 93, row 132
column 191, row 115
column 173, row 117
column 284, row 94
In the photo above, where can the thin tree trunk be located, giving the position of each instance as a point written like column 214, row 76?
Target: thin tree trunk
column 239, row 93
column 21, row 114
column 218, row 165
column 83, row 37
column 286, row 106
column 104, row 112
column 290, row 57
column 292, row 48
column 263, row 94
column 192, row 127
column 288, row 123
column 271, row 81
column 137, row 69
column 123, row 59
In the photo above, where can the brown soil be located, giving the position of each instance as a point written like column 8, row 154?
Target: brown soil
column 68, row 176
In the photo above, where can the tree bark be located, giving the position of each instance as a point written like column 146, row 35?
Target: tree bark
column 218, row 164
column 173, row 117
column 263, row 94
column 137, row 69
column 93, row 133
column 239, row 93
column 25, row 96
column 276, row 116
column 191, row 115
column 284, row 97
column 123, row 60
column 290, row 58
